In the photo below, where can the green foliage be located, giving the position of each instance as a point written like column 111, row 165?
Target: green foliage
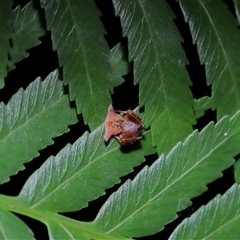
column 120, row 64
column 237, row 171
column 163, row 92
column 85, row 57
column 27, row 28
column 89, row 162
column 217, row 40
column 6, row 32
column 201, row 105
column 179, row 176
column 153, row 179
column 237, row 9
column 13, row 227
column 219, row 219
column 32, row 117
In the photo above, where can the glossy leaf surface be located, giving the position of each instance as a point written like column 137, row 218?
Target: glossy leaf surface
column 58, row 226
column 6, row 32
column 237, row 171
column 219, row 219
column 84, row 57
column 201, row 105
column 24, row 120
column 87, row 164
column 217, row 40
column 27, row 28
column 11, row 227
column 165, row 188
column 120, row 64
column 237, row 9
column 159, row 69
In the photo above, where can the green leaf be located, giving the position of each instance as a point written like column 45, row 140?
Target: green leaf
column 77, row 35
column 120, row 64
column 81, row 172
column 217, row 39
column 29, row 122
column 58, row 225
column 237, row 9
column 12, row 227
column 59, row 231
column 65, row 228
column 219, row 219
column 27, row 28
column 6, row 32
column 159, row 69
column 143, row 206
column 237, row 171
column 201, row 105
column 74, row 230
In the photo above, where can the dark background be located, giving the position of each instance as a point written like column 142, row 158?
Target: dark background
column 43, row 60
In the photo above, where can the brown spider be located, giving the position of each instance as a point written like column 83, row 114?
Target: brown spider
column 125, row 127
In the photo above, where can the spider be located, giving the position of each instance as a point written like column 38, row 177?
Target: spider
column 125, row 127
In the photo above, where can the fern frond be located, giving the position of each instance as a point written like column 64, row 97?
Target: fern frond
column 57, row 224
column 237, row 9
column 120, row 64
column 27, row 28
column 29, row 122
column 58, row 230
column 159, row 69
column 12, row 227
column 237, row 171
column 201, row 105
column 143, row 206
column 217, row 39
column 88, row 163
column 219, row 219
column 77, row 35
column 5, row 34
